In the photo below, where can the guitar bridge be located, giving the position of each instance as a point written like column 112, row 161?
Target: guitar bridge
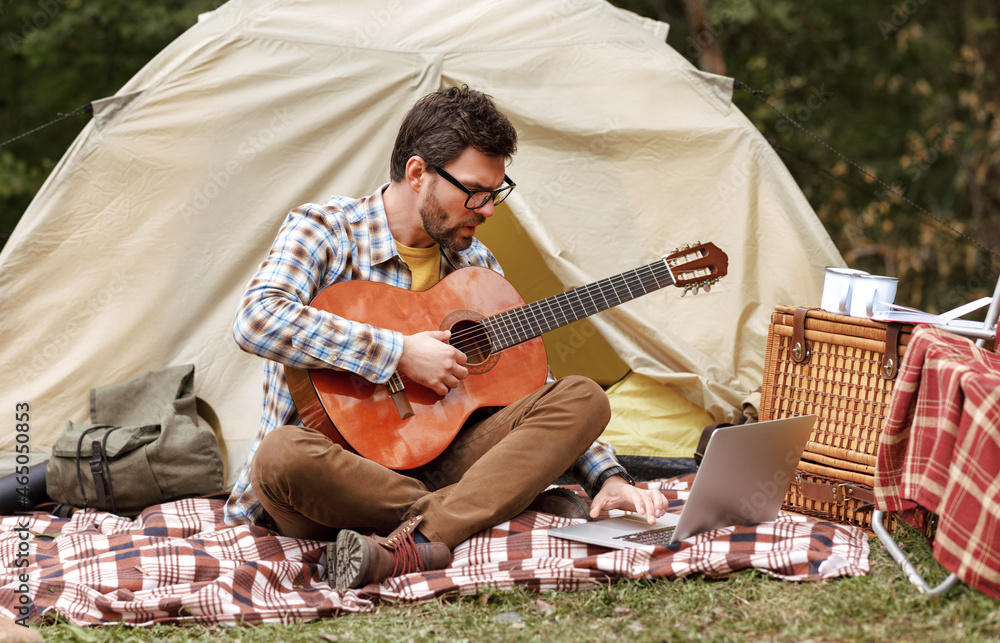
column 398, row 394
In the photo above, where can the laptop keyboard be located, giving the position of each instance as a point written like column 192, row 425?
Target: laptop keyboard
column 651, row 537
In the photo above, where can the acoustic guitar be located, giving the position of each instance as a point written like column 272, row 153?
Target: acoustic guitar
column 402, row 424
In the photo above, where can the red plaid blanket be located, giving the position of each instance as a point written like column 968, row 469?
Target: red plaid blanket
column 178, row 562
column 941, row 449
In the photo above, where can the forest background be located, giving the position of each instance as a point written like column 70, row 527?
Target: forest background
column 903, row 96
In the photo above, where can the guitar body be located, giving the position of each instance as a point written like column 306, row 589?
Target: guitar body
column 362, row 416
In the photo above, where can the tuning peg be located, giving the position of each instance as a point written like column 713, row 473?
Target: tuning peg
column 708, row 287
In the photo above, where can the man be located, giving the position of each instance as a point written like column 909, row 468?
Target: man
column 447, row 173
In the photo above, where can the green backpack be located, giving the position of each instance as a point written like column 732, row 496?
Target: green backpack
column 142, row 447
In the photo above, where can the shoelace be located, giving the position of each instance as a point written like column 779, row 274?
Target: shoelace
column 405, row 557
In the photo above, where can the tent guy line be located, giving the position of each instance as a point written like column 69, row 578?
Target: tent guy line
column 88, row 108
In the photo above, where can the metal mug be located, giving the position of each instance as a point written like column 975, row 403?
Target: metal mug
column 837, row 288
column 872, row 294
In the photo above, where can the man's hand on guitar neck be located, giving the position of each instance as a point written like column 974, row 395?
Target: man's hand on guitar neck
column 428, row 359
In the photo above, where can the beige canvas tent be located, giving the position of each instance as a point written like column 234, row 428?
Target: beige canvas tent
column 134, row 253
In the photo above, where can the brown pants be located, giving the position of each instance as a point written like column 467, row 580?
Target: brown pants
column 492, row 471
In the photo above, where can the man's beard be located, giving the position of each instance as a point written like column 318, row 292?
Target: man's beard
column 435, row 221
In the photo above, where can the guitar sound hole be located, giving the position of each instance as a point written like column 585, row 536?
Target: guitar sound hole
column 471, row 338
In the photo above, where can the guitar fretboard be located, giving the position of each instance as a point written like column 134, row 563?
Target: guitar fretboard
column 520, row 324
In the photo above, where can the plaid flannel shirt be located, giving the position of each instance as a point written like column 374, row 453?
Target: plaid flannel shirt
column 318, row 245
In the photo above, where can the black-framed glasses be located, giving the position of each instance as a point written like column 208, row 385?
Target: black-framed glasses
column 478, row 198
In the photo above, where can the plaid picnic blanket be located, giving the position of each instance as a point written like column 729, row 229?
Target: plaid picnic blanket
column 941, row 449
column 178, row 562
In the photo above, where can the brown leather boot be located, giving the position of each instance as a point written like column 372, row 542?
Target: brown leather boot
column 361, row 559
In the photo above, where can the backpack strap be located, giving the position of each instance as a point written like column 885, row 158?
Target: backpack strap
column 207, row 413
column 79, row 474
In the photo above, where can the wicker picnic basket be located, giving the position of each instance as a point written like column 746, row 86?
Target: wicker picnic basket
column 841, row 369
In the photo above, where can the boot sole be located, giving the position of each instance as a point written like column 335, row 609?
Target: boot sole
column 561, row 502
column 331, row 564
column 352, row 560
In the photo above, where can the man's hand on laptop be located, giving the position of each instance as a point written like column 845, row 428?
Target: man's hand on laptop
column 617, row 493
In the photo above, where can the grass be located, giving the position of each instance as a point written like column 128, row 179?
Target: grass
column 749, row 606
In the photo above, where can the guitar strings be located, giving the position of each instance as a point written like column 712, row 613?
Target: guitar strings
column 564, row 300
column 480, row 333
column 484, row 343
column 656, row 270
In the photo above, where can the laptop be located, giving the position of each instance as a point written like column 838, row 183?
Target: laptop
column 742, row 480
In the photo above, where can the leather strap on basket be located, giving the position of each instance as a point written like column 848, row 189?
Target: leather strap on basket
column 890, row 359
column 800, row 351
column 833, row 493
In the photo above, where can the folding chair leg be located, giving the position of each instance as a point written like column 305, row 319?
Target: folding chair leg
column 992, row 315
column 911, row 572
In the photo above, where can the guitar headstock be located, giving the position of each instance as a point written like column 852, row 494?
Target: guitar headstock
column 696, row 266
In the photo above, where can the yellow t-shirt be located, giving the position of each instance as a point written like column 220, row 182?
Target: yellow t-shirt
column 424, row 264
